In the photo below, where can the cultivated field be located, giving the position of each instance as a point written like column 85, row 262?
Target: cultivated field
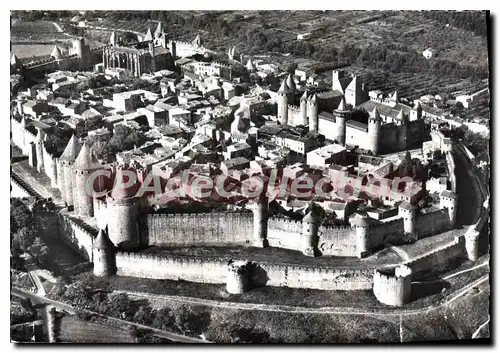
column 74, row 330
column 24, row 31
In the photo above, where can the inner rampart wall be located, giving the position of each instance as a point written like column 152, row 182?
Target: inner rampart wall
column 432, row 223
column 388, row 232
column 337, row 241
column 199, row 228
column 284, row 233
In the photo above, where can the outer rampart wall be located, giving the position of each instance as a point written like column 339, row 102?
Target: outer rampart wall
column 440, row 260
column 17, row 190
column 199, row 228
column 79, row 238
column 215, row 271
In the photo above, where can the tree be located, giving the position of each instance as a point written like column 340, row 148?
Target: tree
column 163, row 319
column 20, row 215
column 77, row 294
column 143, row 315
column 249, row 335
column 189, row 321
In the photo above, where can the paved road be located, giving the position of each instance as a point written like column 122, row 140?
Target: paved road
column 71, row 310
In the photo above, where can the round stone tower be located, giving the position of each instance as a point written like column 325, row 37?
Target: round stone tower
column 84, row 165
column 341, row 114
column 303, row 109
column 409, row 214
column 362, row 226
column 374, row 122
column 260, row 215
column 67, row 160
column 403, row 131
column 113, row 39
column 40, row 136
column 123, row 211
column 472, row 244
column 310, row 231
column 282, row 100
column 103, row 255
column 393, row 286
column 416, row 111
column 312, row 113
column 290, row 82
column 78, row 44
column 238, row 277
column 448, row 200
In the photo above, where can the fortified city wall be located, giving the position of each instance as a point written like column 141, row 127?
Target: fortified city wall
column 199, row 228
column 79, row 237
column 208, row 270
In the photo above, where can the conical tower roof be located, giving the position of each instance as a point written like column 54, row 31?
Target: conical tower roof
column 85, row 159
column 313, row 215
column 56, row 52
column 359, row 220
column 375, row 114
column 14, row 60
column 250, row 66
column 284, row 87
column 400, row 115
column 159, row 30
column 417, row 106
column 290, row 82
column 313, row 98
column 342, row 107
column 112, row 38
column 304, row 96
column 149, row 36
column 395, row 96
column 71, row 151
column 102, row 241
column 197, row 41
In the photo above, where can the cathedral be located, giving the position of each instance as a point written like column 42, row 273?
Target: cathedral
column 154, row 53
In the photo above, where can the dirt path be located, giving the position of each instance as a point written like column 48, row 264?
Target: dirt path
column 302, row 310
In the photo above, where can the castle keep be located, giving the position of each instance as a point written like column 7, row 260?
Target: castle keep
column 390, row 125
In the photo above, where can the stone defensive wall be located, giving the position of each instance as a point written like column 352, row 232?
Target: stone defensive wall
column 77, row 234
column 17, row 189
column 208, row 270
column 388, row 232
column 393, row 286
column 337, row 241
column 217, row 228
column 450, row 164
column 284, row 233
column 432, row 223
column 440, row 260
column 21, row 136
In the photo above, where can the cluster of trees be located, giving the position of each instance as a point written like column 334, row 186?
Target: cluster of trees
column 24, row 235
column 124, row 138
column 57, row 141
column 475, row 21
column 95, row 296
column 478, row 145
